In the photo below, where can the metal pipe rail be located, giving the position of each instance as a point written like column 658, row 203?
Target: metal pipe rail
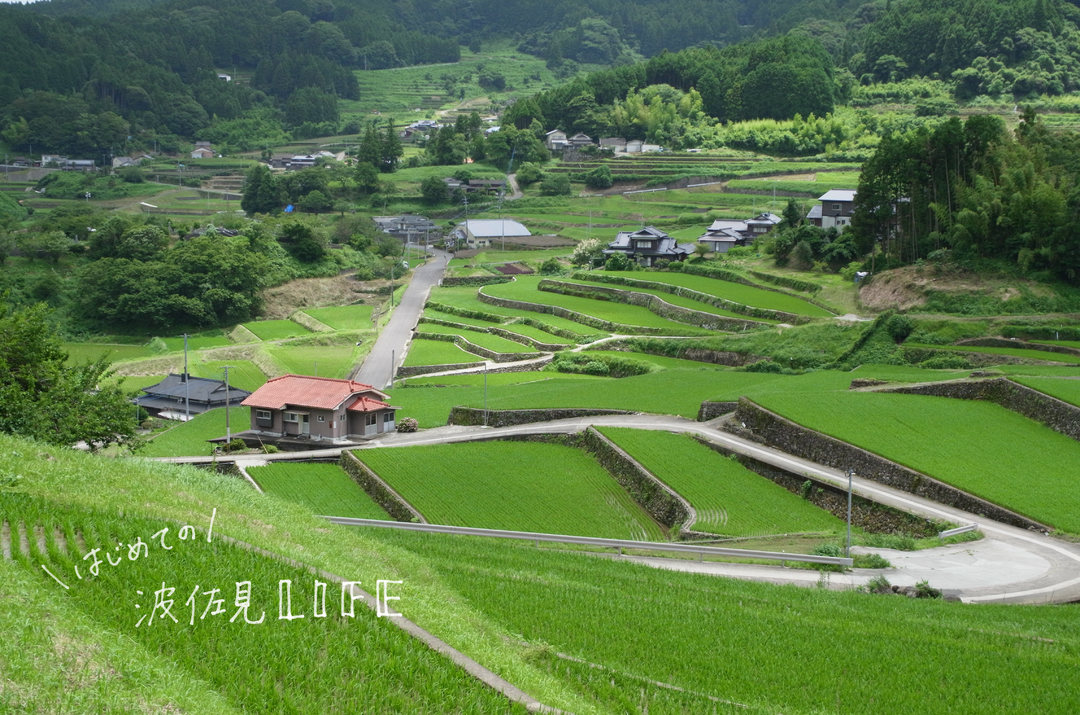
column 684, row 548
column 958, row 530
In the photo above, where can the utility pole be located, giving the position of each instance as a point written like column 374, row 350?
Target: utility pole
column 847, row 552
column 187, row 385
column 228, row 429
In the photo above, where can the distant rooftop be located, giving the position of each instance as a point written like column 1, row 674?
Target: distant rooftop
column 837, row 195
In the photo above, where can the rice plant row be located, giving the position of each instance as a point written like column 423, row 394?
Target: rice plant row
column 345, row 317
column 729, row 499
column 681, row 301
column 1010, row 352
column 524, row 288
column 437, row 352
column 276, row 329
column 517, row 486
column 1065, row 390
column 185, row 600
column 326, row 488
column 977, row 446
column 484, row 340
column 772, row 649
column 465, row 299
column 735, row 292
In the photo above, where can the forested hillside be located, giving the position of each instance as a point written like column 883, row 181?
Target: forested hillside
column 98, row 77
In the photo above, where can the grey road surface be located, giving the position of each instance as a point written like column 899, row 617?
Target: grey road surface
column 394, row 338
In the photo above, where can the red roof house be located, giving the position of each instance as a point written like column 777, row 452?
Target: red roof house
column 296, row 408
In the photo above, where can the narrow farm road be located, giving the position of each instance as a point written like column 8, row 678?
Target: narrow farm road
column 389, row 349
column 1010, row 565
column 515, row 190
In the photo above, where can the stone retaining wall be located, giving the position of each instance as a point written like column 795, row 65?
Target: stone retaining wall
column 502, row 333
column 464, row 312
column 712, row 410
column 657, row 346
column 380, row 492
column 726, row 275
column 415, row 370
column 472, row 416
column 1056, row 414
column 650, row 302
column 660, row 501
column 706, row 298
column 786, row 281
column 1006, row 343
column 768, row 428
column 866, row 514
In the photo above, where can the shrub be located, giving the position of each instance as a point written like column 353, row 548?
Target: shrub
column 618, row 262
column 827, row 550
column 236, row 445
column 806, row 489
column 870, row 561
column 407, row 424
column 924, row 590
column 764, row 366
column 550, row 267
column 899, row 327
column 270, row 449
column 848, row 272
column 556, row 186
column 599, row 178
column 529, row 173
column 878, row 584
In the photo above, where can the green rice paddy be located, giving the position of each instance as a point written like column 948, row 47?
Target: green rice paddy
column 188, row 439
column 326, row 488
column 276, row 329
column 325, row 361
column 977, row 446
column 484, row 340
column 437, row 352
column 729, row 498
column 345, row 317
column 520, row 486
column 524, row 289
column 728, row 290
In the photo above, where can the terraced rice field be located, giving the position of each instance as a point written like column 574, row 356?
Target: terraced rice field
column 524, row 289
column 276, row 329
column 243, row 374
column 465, row 298
column 520, row 486
column 1011, row 352
column 733, row 646
column 728, row 290
column 537, row 334
column 729, row 499
column 326, row 361
column 484, row 340
column 307, row 663
column 668, row 363
column 677, row 392
column 345, row 317
column 977, row 446
column 678, row 300
column 215, row 339
column 438, row 315
column 1061, row 388
column 437, row 352
column 89, row 352
column 188, row 439
column 326, row 488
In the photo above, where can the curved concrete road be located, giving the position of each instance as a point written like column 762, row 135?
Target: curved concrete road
column 392, row 343
column 1010, row 565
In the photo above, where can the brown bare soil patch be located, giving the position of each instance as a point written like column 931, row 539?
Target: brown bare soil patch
column 514, row 269
column 906, row 288
column 283, row 300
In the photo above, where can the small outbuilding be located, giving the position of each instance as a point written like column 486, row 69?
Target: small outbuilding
column 179, row 397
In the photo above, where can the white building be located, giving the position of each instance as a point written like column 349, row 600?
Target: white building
column 481, row 233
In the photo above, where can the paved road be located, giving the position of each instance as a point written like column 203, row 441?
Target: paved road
column 395, row 336
column 1010, row 565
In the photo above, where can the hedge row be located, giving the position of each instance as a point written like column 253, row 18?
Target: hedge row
column 476, row 281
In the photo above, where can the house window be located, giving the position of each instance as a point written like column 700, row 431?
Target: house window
column 322, row 418
column 372, row 420
column 341, row 418
column 263, row 415
column 642, row 244
column 291, row 417
column 836, row 207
